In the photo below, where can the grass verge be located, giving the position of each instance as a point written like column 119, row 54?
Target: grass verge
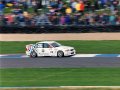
column 60, row 77
column 85, row 47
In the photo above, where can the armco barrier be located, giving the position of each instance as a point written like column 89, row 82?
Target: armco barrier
column 60, row 29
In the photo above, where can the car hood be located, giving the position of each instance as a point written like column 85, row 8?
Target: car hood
column 65, row 47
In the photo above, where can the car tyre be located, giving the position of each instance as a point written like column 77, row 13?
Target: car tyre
column 60, row 54
column 33, row 54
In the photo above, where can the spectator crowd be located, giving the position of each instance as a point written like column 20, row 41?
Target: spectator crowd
column 60, row 12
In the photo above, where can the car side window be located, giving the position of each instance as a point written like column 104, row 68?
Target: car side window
column 40, row 45
column 45, row 45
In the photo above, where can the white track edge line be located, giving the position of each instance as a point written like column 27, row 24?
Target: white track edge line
column 68, row 87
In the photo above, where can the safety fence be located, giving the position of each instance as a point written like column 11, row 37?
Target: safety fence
column 60, row 29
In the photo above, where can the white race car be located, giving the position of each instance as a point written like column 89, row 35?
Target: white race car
column 49, row 48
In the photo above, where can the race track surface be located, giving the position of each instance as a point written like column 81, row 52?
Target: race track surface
column 54, row 62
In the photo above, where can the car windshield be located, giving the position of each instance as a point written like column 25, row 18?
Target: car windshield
column 55, row 44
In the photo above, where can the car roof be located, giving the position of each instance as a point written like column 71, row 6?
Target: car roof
column 46, row 42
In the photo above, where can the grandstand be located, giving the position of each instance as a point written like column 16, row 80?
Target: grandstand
column 59, row 12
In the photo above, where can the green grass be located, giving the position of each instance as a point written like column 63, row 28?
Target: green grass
column 60, row 77
column 84, row 47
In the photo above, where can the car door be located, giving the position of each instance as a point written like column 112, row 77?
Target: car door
column 48, row 50
column 39, row 49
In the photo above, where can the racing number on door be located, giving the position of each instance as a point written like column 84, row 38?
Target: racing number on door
column 39, row 48
column 47, row 49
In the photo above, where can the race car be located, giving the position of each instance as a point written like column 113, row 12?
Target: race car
column 49, row 48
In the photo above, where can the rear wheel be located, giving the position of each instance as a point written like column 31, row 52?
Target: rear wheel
column 60, row 54
column 33, row 54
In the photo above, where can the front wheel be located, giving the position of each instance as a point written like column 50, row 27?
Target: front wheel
column 33, row 54
column 60, row 54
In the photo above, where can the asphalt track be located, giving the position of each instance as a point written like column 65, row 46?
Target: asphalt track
column 54, row 62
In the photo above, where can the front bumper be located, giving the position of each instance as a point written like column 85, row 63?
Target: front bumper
column 70, row 53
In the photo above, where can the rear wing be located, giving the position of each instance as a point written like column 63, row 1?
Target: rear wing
column 29, row 47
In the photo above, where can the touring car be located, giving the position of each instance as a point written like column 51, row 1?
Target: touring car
column 49, row 48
